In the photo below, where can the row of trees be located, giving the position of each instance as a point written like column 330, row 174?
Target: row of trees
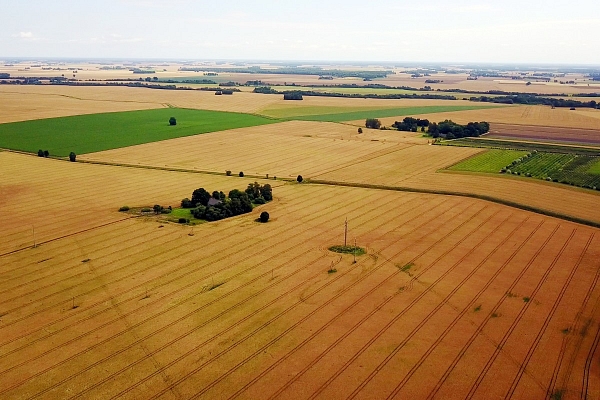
column 216, row 206
column 410, row 124
column 451, row 130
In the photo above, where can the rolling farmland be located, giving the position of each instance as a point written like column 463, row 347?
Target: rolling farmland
column 454, row 298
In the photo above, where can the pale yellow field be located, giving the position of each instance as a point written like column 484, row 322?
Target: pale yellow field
column 517, row 115
column 286, row 149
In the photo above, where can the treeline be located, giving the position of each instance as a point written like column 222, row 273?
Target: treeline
column 447, row 129
column 270, row 90
column 217, row 206
column 337, row 73
column 536, row 100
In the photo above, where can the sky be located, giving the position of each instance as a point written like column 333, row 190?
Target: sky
column 507, row 31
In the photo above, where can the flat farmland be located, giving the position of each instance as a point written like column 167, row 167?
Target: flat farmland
column 419, row 167
column 22, row 103
column 586, row 137
column 517, row 115
column 80, row 196
column 455, row 298
column 284, row 149
column 96, row 132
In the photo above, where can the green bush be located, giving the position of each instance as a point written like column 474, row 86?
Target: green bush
column 241, row 174
column 228, row 173
column 124, row 209
column 264, row 217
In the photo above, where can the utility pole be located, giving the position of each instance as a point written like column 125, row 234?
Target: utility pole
column 345, row 231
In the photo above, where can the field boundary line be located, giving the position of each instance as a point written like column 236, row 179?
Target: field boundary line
column 484, row 197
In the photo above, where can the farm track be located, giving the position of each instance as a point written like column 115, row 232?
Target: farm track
column 99, row 343
column 463, row 312
column 182, row 275
column 210, row 339
column 260, row 350
column 356, row 326
column 541, row 332
column 408, row 308
column 509, row 332
column 576, row 330
column 481, row 326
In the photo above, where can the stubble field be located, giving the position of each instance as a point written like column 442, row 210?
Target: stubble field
column 454, row 298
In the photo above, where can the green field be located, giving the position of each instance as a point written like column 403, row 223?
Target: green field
column 525, row 146
column 569, row 169
column 382, row 113
column 594, row 168
column 490, row 161
column 96, row 132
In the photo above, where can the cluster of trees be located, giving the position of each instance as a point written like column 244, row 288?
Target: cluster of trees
column 43, row 153
column 410, row 124
column 372, row 123
column 292, row 96
column 216, row 206
column 451, row 130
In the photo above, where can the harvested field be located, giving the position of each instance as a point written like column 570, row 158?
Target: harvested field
column 246, row 310
column 545, row 134
column 22, row 103
column 517, row 115
column 285, row 149
column 79, row 196
column 319, row 106
column 416, row 167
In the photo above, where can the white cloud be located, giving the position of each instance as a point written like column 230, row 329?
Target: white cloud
column 26, row 35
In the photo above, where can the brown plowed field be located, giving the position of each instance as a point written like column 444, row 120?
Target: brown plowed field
column 455, row 297
column 516, row 115
column 545, row 134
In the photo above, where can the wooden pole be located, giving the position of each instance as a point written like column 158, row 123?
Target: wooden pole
column 345, row 231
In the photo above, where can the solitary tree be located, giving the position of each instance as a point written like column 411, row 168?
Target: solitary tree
column 157, row 209
column 241, row 174
column 40, row 153
column 264, row 216
column 299, row 179
column 359, row 130
column 172, row 121
column 72, row 156
column 373, row 123
column 46, row 153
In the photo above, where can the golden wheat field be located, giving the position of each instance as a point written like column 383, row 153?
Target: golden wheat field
column 371, row 158
column 454, row 297
column 285, row 149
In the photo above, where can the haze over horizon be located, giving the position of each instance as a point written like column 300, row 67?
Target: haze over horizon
column 534, row 32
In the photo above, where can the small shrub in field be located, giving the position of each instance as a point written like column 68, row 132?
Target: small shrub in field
column 299, row 179
column 146, row 210
column 46, row 153
column 124, row 209
column 72, row 156
column 241, row 174
column 228, row 173
column 40, row 153
column 264, row 217
column 182, row 220
column 172, row 121
column 359, row 130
